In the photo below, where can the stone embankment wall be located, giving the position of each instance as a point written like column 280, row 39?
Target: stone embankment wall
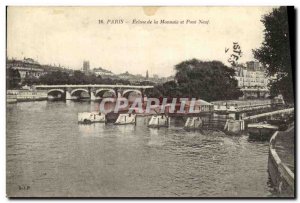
column 281, row 175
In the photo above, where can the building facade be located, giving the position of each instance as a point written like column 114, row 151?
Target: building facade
column 26, row 67
column 252, row 80
column 103, row 72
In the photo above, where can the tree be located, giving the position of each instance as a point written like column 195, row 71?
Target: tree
column 78, row 78
column 210, row 80
column 30, row 80
column 55, row 78
column 274, row 53
column 13, row 78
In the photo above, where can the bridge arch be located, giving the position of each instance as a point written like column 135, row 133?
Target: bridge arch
column 54, row 94
column 55, row 90
column 126, row 93
column 101, row 92
column 78, row 90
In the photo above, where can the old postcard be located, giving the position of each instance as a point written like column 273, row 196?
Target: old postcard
column 150, row 102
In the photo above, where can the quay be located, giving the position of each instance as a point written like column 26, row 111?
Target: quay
column 239, row 106
column 238, row 125
column 13, row 96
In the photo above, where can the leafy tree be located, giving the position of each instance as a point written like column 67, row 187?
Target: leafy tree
column 77, row 78
column 30, row 80
column 210, row 80
column 13, row 78
column 274, row 53
column 55, row 78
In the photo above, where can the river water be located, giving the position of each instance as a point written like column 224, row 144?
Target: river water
column 49, row 154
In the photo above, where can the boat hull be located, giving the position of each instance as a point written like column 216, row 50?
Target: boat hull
column 260, row 134
column 91, row 117
column 126, row 119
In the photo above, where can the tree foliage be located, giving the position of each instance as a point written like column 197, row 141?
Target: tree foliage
column 274, row 52
column 77, row 78
column 13, row 78
column 209, row 81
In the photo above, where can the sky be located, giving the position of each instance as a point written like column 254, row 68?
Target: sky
column 70, row 35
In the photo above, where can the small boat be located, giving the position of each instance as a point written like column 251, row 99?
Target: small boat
column 261, row 131
column 193, row 123
column 91, row 117
column 126, row 118
column 157, row 121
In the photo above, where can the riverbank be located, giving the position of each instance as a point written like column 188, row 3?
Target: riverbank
column 281, row 162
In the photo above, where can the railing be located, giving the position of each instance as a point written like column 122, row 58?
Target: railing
column 240, row 108
column 283, row 111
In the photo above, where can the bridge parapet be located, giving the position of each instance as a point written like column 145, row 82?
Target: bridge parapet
column 93, row 89
column 96, row 86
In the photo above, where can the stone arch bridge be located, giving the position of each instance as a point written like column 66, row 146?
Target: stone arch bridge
column 95, row 92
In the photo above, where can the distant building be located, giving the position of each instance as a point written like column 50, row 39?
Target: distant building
column 103, row 72
column 160, row 80
column 252, row 79
column 128, row 76
column 155, row 76
column 254, row 66
column 147, row 75
column 249, row 78
column 136, row 79
column 86, row 67
column 26, row 67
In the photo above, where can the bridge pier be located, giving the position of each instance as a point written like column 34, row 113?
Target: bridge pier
column 68, row 95
column 119, row 93
column 92, row 96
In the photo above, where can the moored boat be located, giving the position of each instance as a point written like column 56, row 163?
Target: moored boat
column 193, row 123
column 282, row 124
column 261, row 131
column 158, row 121
column 125, row 119
column 91, row 117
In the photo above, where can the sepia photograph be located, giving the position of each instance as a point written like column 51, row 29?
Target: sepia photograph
column 150, row 102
